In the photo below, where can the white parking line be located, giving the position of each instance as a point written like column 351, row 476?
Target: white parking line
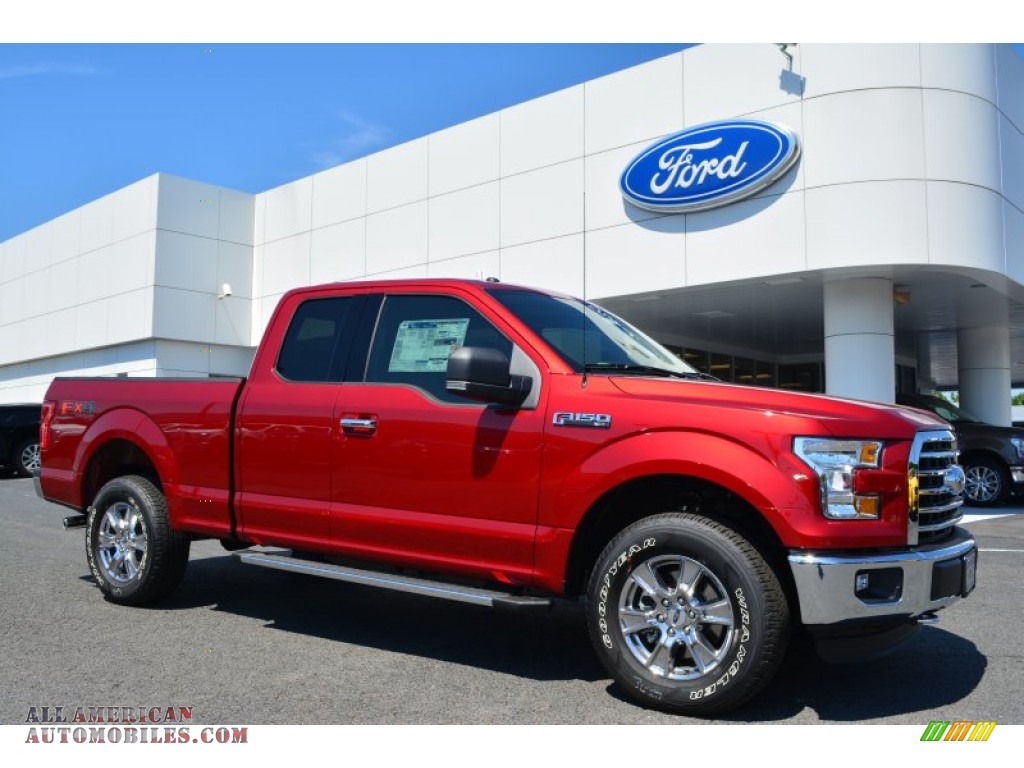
column 972, row 517
column 1001, row 550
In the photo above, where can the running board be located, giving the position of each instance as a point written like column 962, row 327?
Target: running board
column 444, row 590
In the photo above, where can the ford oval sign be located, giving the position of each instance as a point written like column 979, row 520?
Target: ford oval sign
column 709, row 165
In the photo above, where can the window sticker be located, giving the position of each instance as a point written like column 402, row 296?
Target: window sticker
column 423, row 346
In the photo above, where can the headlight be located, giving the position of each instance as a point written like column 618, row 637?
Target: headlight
column 1018, row 443
column 836, row 462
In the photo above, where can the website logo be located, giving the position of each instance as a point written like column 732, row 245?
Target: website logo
column 958, row 730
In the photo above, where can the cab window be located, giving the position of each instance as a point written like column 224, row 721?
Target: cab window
column 315, row 346
column 416, row 334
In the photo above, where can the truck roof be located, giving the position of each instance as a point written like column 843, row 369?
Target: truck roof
column 421, row 282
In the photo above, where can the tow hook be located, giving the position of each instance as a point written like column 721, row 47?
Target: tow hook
column 928, row 618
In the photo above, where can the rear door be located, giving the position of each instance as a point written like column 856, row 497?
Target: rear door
column 286, row 427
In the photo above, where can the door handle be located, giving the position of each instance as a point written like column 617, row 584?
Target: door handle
column 359, row 425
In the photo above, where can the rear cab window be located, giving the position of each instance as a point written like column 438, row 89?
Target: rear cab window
column 316, row 344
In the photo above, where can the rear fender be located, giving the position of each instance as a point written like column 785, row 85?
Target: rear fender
column 132, row 426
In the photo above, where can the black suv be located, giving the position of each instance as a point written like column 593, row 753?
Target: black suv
column 992, row 457
column 19, row 438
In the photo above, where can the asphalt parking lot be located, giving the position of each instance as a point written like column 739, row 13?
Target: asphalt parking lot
column 247, row 645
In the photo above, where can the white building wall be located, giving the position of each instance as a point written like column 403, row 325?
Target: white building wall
column 27, row 382
column 204, row 241
column 88, row 293
column 904, row 155
column 1010, row 73
column 81, row 281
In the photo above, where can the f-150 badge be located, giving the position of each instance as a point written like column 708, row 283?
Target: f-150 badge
column 593, row 420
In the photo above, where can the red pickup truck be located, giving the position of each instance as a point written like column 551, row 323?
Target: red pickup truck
column 505, row 446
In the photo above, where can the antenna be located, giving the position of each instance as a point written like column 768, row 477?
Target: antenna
column 583, row 381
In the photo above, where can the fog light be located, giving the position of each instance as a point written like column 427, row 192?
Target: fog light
column 882, row 585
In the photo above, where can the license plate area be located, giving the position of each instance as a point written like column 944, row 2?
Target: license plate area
column 970, row 571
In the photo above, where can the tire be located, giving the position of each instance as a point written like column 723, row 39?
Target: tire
column 988, row 482
column 708, row 646
column 26, row 457
column 134, row 555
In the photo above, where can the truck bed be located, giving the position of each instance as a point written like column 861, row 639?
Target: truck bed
column 182, row 426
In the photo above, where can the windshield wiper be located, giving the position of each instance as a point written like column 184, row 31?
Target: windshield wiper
column 648, row 370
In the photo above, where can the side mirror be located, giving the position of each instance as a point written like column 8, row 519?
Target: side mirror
column 481, row 373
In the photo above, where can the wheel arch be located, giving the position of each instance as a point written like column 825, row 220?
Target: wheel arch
column 648, row 495
column 21, row 433
column 984, row 453
column 123, row 442
column 116, row 457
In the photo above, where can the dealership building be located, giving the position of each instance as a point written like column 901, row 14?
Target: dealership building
column 883, row 254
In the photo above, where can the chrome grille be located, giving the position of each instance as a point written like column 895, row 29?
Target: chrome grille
column 934, row 506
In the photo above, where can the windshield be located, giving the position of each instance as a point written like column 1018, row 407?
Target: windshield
column 952, row 413
column 610, row 342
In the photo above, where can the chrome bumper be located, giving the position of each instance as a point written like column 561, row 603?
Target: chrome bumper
column 826, row 582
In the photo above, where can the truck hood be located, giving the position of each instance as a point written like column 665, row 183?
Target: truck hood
column 980, row 429
column 838, row 416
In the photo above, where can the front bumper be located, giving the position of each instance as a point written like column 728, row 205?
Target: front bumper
column 916, row 581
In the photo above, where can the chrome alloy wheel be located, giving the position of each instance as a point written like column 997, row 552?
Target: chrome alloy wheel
column 983, row 484
column 30, row 458
column 121, row 542
column 676, row 617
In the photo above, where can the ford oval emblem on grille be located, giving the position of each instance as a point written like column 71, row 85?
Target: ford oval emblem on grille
column 709, row 165
column 954, row 480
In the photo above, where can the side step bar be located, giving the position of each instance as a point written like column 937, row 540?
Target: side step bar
column 283, row 561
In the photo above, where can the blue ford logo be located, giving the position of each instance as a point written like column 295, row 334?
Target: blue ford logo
column 709, row 165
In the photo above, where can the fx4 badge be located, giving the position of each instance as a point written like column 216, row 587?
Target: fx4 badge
column 593, row 420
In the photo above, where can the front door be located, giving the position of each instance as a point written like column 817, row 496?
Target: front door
column 428, row 478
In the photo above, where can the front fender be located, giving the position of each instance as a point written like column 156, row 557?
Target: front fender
column 770, row 485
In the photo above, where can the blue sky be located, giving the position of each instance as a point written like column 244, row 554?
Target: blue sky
column 80, row 121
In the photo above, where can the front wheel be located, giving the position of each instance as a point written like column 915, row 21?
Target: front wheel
column 686, row 615
column 134, row 555
column 987, row 482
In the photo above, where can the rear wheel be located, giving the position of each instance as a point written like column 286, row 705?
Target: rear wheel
column 134, row 555
column 686, row 615
column 26, row 457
